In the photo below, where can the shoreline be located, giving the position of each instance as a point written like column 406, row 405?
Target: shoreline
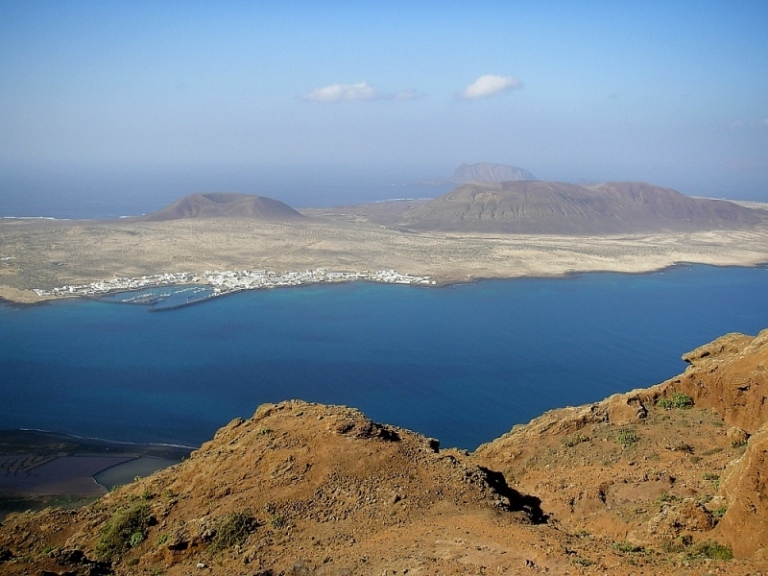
column 42, row 260
column 22, row 302
column 41, row 468
column 14, row 441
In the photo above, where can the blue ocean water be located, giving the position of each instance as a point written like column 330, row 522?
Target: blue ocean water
column 461, row 363
column 75, row 194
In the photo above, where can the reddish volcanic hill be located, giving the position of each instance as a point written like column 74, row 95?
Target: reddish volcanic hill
column 225, row 205
column 539, row 207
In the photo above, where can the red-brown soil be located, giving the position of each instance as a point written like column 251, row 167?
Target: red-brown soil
column 640, row 483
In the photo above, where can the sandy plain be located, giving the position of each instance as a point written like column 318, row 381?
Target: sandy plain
column 44, row 254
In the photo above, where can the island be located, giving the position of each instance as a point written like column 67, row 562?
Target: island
column 477, row 231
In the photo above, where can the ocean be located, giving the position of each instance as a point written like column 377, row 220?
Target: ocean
column 462, row 363
column 73, row 194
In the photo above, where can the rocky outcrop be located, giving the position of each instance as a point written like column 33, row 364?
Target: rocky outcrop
column 675, row 462
column 745, row 491
column 730, row 375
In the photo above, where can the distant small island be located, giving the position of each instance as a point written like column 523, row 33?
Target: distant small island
column 487, row 172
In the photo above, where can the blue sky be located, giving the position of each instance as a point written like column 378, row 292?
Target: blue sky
column 229, row 95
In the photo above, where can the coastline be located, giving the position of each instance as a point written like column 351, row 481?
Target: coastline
column 125, row 457
column 22, row 299
column 42, row 256
column 17, row 441
column 48, row 468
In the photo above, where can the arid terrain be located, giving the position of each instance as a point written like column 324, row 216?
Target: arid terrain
column 245, row 233
column 667, row 480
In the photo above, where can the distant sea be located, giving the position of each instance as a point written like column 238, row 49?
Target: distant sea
column 73, row 195
column 75, row 192
column 462, row 363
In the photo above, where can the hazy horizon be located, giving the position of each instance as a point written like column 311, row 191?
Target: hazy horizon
column 325, row 103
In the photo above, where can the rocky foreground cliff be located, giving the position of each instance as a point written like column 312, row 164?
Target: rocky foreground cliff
column 666, row 480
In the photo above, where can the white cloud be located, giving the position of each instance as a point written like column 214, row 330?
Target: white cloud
column 356, row 92
column 342, row 93
column 488, row 85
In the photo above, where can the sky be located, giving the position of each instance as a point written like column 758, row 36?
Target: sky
column 147, row 100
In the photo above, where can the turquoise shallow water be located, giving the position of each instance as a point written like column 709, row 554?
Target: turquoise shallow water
column 462, row 363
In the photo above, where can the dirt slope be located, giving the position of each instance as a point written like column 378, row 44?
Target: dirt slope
column 641, row 483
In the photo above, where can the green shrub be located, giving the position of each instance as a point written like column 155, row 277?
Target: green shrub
column 671, row 546
column 626, row 437
column 714, row 478
column 712, row 551
column 571, row 441
column 719, row 512
column 136, row 539
column 665, row 498
column 232, row 530
column 678, row 545
column 126, row 529
column 625, row 547
column 677, row 400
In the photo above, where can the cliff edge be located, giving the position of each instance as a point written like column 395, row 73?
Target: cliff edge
column 660, row 468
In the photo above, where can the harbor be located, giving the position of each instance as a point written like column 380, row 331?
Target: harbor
column 171, row 291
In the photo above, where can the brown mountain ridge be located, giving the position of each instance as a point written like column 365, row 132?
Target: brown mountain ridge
column 666, row 480
column 540, row 207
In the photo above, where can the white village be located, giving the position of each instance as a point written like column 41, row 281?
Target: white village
column 227, row 282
